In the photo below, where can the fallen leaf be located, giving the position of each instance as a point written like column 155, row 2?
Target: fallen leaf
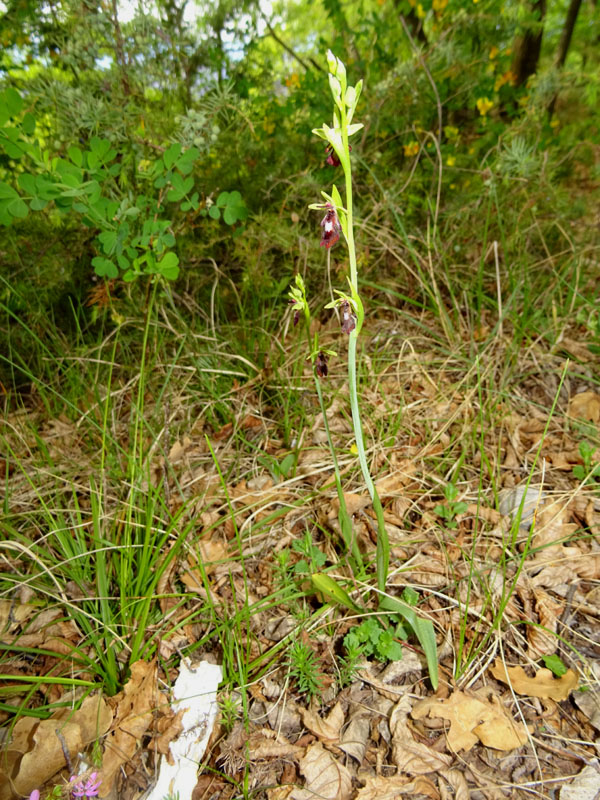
column 249, row 421
column 585, row 405
column 589, row 704
column 584, row 786
column 135, row 712
column 326, row 729
column 472, row 720
column 408, row 755
column 543, row 685
column 326, row 778
column 542, row 638
column 500, row 731
column 354, row 503
column 357, row 733
column 35, row 752
column 575, row 348
column 456, row 779
column 379, row 788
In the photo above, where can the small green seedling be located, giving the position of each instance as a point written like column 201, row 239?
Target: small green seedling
column 555, row 664
column 304, row 667
column 371, row 639
column 313, row 559
column 280, row 470
column 449, row 510
column 589, row 471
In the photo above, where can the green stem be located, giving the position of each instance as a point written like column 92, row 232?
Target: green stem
column 383, row 545
column 346, row 526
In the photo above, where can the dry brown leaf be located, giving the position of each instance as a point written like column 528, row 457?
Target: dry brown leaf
column 576, row 348
column 472, row 720
column 168, row 727
column 357, row 733
column 543, row 685
column 260, row 747
column 542, row 639
column 354, row 503
column 408, row 755
column 584, row 786
column 380, row 788
column 248, row 422
column 135, row 710
column 585, row 405
column 589, row 704
column 482, row 512
column 456, row 779
column 326, row 729
column 326, row 778
column 35, row 753
column 279, row 792
column 500, row 731
column 13, row 615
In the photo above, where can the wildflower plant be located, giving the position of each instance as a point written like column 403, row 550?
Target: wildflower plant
column 337, row 222
column 351, row 308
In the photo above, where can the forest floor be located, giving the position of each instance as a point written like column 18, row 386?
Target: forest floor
column 484, row 449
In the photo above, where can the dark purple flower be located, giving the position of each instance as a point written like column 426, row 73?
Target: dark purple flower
column 332, row 157
column 321, row 367
column 348, row 318
column 331, row 227
column 88, row 788
column 296, row 311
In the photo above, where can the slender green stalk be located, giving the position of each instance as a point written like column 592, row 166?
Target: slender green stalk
column 345, row 99
column 298, row 295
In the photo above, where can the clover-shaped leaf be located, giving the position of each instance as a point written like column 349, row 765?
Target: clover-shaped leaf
column 104, row 267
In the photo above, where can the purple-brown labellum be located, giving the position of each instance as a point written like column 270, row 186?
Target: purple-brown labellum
column 296, row 312
column 348, row 318
column 332, row 157
column 331, row 227
column 321, row 365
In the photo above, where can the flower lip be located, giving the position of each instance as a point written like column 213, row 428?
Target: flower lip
column 332, row 157
column 331, row 227
column 348, row 318
column 321, row 367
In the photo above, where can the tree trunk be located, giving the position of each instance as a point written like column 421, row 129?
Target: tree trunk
column 528, row 47
column 567, row 32
column 565, row 41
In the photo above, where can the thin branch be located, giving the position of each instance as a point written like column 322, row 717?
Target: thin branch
column 288, row 49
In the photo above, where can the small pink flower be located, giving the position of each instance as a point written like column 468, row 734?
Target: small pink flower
column 89, row 788
column 35, row 795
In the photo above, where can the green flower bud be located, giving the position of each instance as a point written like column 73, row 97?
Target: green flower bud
column 331, row 62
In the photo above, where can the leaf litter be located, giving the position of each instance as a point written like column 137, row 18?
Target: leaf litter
column 490, row 729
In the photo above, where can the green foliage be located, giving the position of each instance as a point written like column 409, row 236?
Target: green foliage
column 555, row 664
column 449, row 510
column 304, row 668
column 313, row 558
column 231, row 206
column 229, row 707
column 372, row 639
column 589, row 471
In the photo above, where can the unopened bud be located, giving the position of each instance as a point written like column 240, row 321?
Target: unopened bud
column 331, row 62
